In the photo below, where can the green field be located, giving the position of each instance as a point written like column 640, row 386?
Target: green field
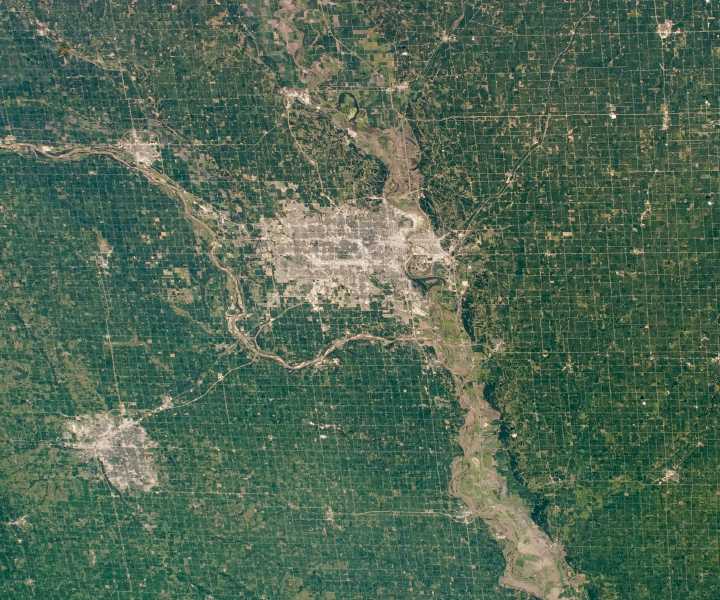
column 299, row 417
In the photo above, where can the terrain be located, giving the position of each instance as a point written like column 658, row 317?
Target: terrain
column 336, row 300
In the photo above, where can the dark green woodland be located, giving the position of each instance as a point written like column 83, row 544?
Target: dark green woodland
column 568, row 159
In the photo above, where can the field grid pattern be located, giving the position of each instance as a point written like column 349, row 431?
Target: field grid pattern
column 343, row 300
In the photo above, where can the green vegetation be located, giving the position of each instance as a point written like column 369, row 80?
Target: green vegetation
column 331, row 483
column 566, row 154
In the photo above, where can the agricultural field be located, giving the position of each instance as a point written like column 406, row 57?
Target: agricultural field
column 321, row 300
